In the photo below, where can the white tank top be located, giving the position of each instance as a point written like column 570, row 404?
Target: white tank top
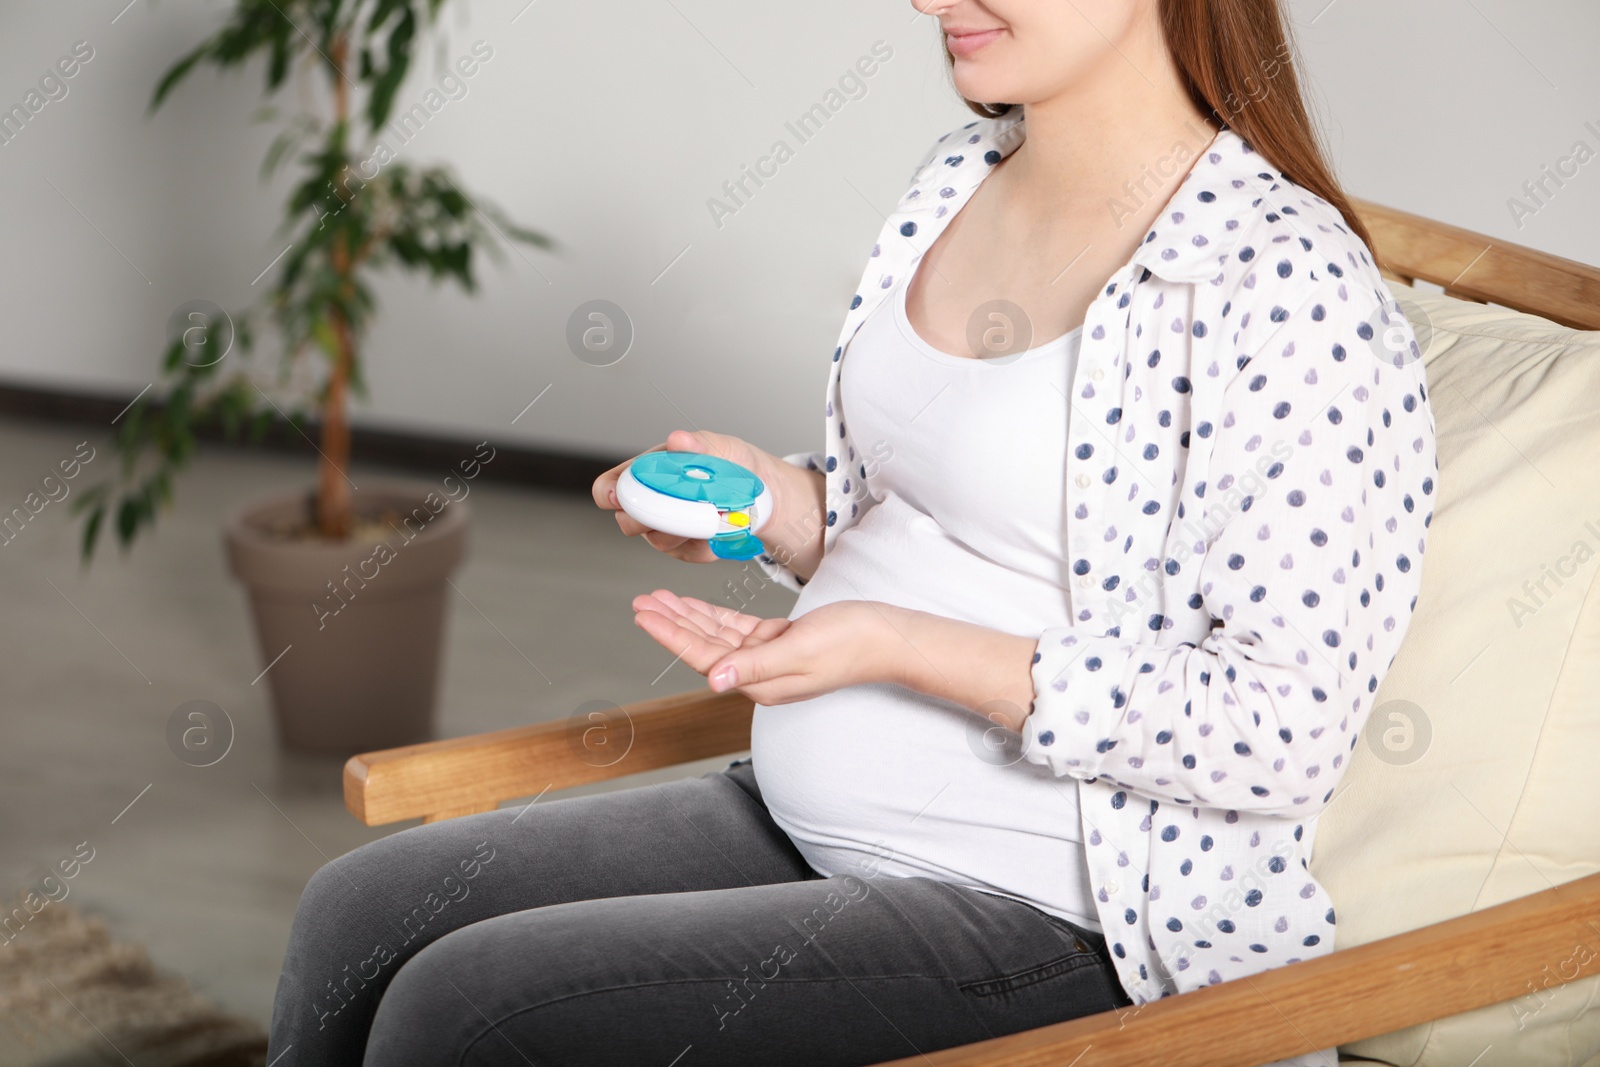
column 964, row 470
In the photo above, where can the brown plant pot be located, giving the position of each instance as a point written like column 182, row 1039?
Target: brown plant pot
column 363, row 626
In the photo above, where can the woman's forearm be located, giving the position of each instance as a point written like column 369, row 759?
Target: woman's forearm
column 984, row 670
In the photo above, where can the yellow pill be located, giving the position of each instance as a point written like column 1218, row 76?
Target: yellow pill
column 737, row 518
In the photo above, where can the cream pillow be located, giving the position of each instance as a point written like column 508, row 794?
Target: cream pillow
column 1474, row 781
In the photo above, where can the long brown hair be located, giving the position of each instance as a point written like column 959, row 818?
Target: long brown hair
column 1234, row 57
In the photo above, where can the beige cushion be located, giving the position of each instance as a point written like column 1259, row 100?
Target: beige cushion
column 1493, row 794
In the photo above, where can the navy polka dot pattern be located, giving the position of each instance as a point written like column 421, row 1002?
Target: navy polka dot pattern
column 1249, row 485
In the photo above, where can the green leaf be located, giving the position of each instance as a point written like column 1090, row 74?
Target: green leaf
column 177, row 73
column 91, row 531
column 407, row 247
column 326, row 339
column 284, row 36
column 398, row 48
column 282, row 145
column 532, row 237
column 380, row 102
column 328, row 18
column 458, row 262
column 452, row 203
column 88, row 498
column 174, row 357
column 382, row 12
column 128, row 520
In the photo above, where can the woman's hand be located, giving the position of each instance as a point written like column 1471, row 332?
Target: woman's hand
column 688, row 549
column 777, row 661
column 793, row 535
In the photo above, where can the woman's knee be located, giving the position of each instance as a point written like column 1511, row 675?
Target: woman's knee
column 322, row 988
column 326, row 902
column 443, row 1002
column 342, row 930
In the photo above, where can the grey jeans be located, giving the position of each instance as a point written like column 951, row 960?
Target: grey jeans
column 669, row 925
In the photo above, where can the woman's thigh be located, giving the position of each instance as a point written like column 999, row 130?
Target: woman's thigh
column 365, row 914
column 839, row 971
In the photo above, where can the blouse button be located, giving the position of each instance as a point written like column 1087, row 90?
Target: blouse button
column 1086, row 581
column 1083, row 481
column 1097, row 374
column 1111, row 886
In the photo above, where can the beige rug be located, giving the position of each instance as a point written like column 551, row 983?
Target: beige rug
column 72, row 996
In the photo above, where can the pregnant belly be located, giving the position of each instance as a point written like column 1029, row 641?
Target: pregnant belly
column 876, row 779
column 837, row 768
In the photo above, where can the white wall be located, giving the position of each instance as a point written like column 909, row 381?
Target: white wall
column 609, row 125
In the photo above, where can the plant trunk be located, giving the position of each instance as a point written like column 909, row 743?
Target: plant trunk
column 333, row 506
column 333, row 488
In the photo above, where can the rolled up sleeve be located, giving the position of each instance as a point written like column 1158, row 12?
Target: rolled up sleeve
column 780, row 572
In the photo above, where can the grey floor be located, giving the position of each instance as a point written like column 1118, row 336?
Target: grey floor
column 207, row 864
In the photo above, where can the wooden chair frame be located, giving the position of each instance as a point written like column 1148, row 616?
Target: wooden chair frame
column 1486, row 957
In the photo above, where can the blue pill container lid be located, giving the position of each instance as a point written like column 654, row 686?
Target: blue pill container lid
column 696, row 476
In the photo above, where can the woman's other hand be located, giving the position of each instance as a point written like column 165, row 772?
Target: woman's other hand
column 776, row 661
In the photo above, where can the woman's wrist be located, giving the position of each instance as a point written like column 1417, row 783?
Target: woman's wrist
column 793, row 536
column 986, row 671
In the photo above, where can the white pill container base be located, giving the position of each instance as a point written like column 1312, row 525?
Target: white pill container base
column 699, row 519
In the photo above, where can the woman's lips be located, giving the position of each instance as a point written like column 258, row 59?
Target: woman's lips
column 964, row 44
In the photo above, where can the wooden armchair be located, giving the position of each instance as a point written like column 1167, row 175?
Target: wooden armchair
column 1483, row 958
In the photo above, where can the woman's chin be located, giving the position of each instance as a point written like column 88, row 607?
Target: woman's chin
column 984, row 82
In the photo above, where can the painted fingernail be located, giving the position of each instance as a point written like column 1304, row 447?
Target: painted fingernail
column 725, row 678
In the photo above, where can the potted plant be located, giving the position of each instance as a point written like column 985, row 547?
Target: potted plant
column 347, row 584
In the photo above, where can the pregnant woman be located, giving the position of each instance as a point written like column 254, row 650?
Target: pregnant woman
column 1117, row 527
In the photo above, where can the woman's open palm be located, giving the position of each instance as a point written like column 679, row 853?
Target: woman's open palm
column 775, row 661
column 699, row 632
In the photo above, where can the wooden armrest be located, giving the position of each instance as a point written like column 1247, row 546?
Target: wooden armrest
column 1549, row 938
column 442, row 779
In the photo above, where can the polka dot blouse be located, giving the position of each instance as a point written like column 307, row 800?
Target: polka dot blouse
column 1251, row 471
